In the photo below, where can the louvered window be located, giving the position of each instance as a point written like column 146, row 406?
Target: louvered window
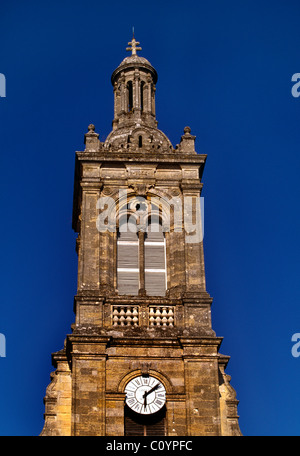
column 141, row 260
column 128, row 260
column 155, row 260
column 143, row 425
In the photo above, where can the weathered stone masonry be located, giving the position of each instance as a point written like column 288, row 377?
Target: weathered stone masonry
column 117, row 337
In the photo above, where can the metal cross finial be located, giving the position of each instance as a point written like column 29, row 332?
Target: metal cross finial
column 133, row 45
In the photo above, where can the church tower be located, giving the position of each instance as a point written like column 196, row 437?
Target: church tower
column 141, row 358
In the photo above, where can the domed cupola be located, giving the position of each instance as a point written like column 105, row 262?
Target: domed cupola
column 134, row 123
column 134, row 89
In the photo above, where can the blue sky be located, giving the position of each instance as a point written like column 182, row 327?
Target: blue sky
column 224, row 68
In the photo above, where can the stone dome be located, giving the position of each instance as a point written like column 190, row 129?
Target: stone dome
column 135, row 61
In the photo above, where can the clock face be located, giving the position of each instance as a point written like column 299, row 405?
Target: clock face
column 145, row 395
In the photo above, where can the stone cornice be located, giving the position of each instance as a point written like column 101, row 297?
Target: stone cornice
column 145, row 157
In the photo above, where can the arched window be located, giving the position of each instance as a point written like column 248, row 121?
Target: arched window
column 140, row 141
column 155, row 260
column 142, row 95
column 127, row 258
column 141, row 259
column 130, row 96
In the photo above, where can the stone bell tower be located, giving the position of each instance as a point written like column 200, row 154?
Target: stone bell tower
column 142, row 358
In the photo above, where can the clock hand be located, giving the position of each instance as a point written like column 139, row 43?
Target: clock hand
column 152, row 389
